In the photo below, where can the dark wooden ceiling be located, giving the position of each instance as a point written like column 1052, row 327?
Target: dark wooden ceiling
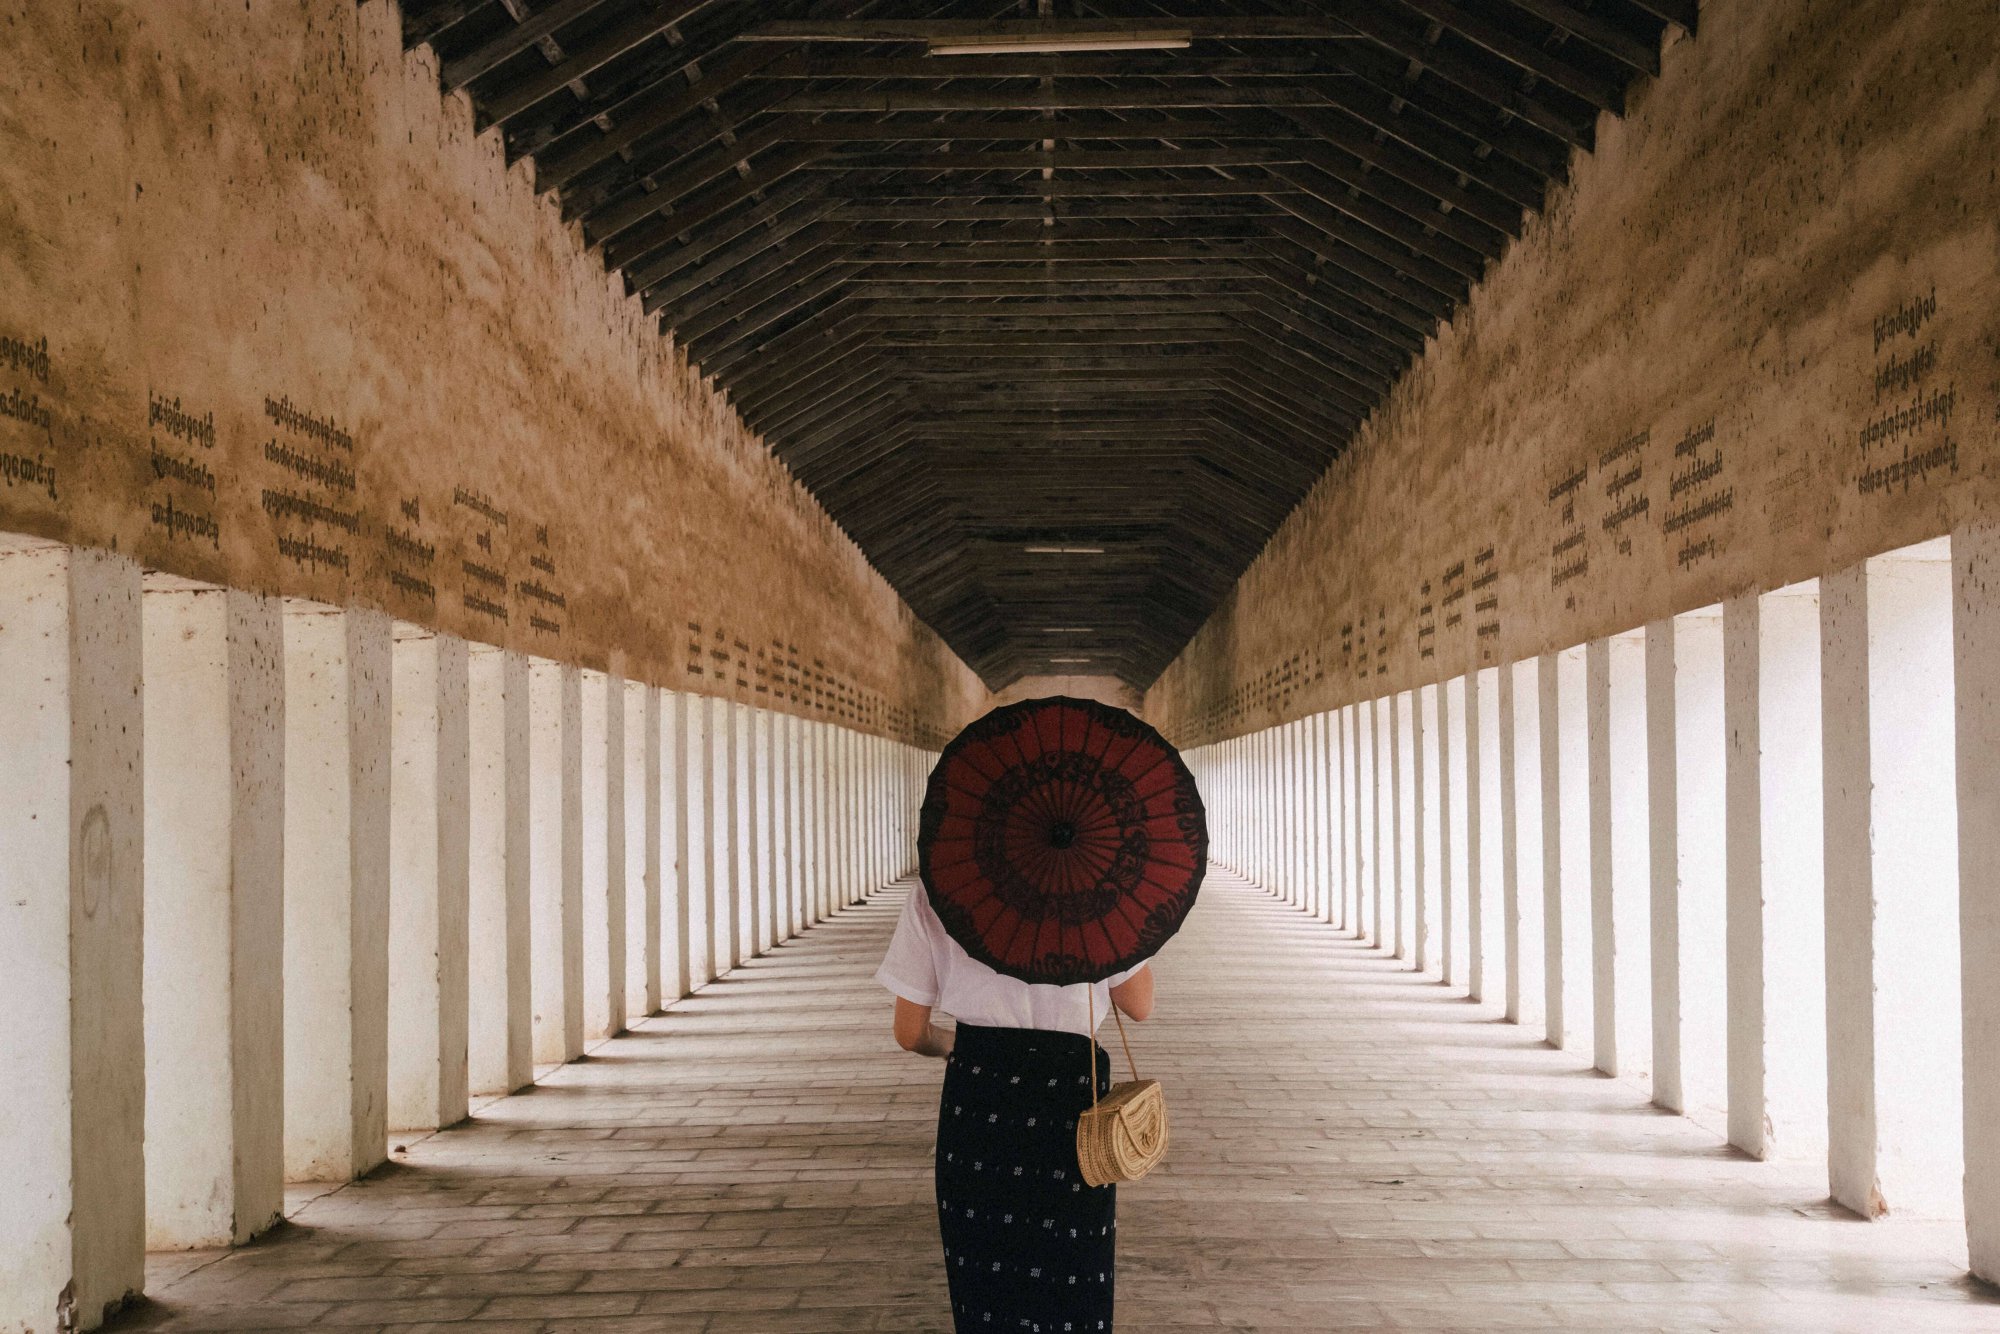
column 1123, row 306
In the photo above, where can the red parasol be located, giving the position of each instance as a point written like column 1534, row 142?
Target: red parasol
column 1061, row 840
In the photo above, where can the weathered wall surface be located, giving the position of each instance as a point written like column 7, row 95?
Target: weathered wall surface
column 270, row 316
column 1755, row 339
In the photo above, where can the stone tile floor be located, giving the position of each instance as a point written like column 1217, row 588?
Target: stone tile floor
column 1354, row 1147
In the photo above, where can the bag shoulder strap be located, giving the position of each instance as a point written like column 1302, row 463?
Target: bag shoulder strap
column 1090, row 1046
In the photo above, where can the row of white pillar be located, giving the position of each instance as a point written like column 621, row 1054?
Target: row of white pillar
column 1751, row 853
column 281, row 877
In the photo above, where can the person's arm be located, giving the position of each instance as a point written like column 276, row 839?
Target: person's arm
column 915, row 1031
column 1134, row 996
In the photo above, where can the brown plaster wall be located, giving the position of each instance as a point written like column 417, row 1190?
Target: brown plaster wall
column 271, row 316
column 1756, row 338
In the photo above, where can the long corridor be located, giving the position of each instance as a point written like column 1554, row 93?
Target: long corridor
column 1355, row 1146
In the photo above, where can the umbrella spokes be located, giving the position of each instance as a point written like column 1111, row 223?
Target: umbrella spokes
column 1061, row 840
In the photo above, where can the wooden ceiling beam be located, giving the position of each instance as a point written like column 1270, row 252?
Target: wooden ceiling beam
column 1640, row 55
column 641, row 26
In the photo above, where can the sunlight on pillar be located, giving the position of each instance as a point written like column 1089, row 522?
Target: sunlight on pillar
column 214, row 912
column 336, row 951
column 1892, row 885
column 1700, row 856
column 1567, row 924
column 1631, row 851
column 641, row 750
column 72, row 826
column 500, row 1004
column 428, row 886
column 1524, row 890
column 1456, row 872
column 1776, row 909
column 552, row 834
column 593, row 897
column 1488, row 843
column 1975, row 549
column 1429, row 886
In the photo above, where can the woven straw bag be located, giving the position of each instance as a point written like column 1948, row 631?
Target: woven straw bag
column 1124, row 1136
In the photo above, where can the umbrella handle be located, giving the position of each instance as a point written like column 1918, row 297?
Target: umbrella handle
column 1090, row 1003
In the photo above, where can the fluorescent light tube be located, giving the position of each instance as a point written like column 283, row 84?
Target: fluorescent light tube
column 1052, row 44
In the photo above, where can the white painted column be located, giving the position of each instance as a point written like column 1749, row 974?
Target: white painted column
column 699, row 856
column 1663, row 828
column 594, row 815
column 1424, row 787
column 677, row 888
column 1571, row 936
column 789, row 923
column 1894, row 1046
column 1975, row 550
column 500, row 1005
column 429, row 879
column 743, row 921
column 555, row 852
column 214, row 909
column 764, row 833
column 1402, row 809
column 1555, row 813
column 1630, row 854
column 812, row 810
column 71, row 889
column 643, row 859
column 1451, row 831
column 612, row 944
column 1700, row 854
column 1597, row 782
column 722, row 832
column 1381, row 812
column 337, row 730
column 1536, row 834
column 1776, row 929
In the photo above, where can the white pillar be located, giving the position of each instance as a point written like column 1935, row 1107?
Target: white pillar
column 743, row 921
column 610, row 945
column 764, row 833
column 677, row 827
column 1663, row 828
column 1631, row 854
column 1452, row 876
column 594, row 870
column 214, row 911
column 796, row 856
column 71, row 888
column 1567, row 929
column 429, row 886
column 556, row 855
column 717, row 860
column 644, row 859
column 1603, row 934
column 1424, row 787
column 1535, row 836
column 1975, row 550
column 703, row 794
column 1892, row 917
column 1700, row 856
column 337, row 725
column 500, row 1006
column 1381, row 811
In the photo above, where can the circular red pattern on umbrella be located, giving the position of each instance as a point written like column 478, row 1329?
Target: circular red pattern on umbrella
column 1061, row 840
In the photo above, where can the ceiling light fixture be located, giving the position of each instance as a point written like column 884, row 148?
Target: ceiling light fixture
column 1059, row 43
column 1069, row 659
column 1064, row 551
column 1068, row 630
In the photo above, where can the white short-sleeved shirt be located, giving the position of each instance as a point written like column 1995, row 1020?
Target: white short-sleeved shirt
column 925, row 966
